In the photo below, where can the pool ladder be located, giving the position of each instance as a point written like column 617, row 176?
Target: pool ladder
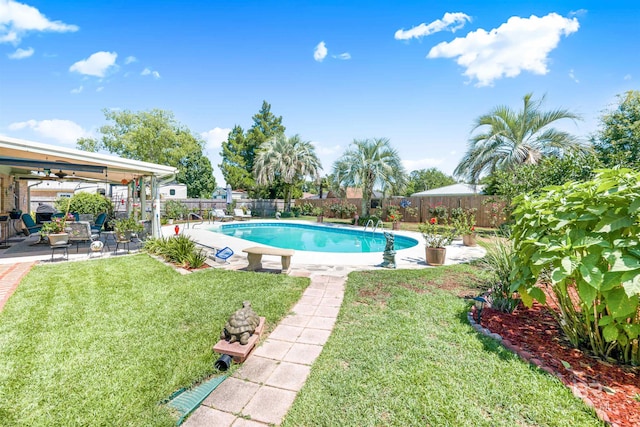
column 374, row 227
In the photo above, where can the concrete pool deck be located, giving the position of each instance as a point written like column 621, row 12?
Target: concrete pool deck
column 413, row 257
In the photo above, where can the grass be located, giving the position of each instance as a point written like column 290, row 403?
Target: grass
column 104, row 342
column 403, row 354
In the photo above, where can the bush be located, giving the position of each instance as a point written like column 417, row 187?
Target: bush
column 180, row 250
column 587, row 234
column 174, row 209
column 307, row 208
column 499, row 262
column 342, row 210
column 85, row 203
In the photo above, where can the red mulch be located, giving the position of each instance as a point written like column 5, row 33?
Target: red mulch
column 533, row 333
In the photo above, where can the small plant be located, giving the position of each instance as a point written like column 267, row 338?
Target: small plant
column 317, row 211
column 307, row 208
column 393, row 214
column 295, row 210
column 464, row 221
column 180, row 250
column 436, row 234
column 499, row 262
column 55, row 226
column 174, row 209
column 439, row 211
column 129, row 224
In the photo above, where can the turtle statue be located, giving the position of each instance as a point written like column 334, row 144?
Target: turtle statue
column 241, row 325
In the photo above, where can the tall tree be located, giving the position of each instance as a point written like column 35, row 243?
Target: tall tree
column 153, row 136
column 197, row 171
column 240, row 149
column 368, row 163
column 288, row 160
column 510, row 138
column 617, row 143
column 427, row 179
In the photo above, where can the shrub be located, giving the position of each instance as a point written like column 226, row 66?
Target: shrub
column 85, row 203
column 174, row 209
column 342, row 210
column 587, row 234
column 463, row 221
column 307, row 208
column 499, row 262
column 180, row 250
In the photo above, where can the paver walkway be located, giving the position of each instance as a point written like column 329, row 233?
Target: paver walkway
column 262, row 390
column 10, row 277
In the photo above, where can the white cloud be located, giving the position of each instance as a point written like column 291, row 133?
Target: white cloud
column 130, row 59
column 149, row 72
column 21, row 53
column 63, row 131
column 343, row 56
column 572, row 76
column 17, row 19
column 100, row 89
column 517, row 45
column 627, row 77
column 215, row 137
column 578, row 13
column 320, row 52
column 96, row 65
column 412, row 165
column 449, row 22
column 77, row 90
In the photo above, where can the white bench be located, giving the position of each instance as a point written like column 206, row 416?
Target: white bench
column 254, row 256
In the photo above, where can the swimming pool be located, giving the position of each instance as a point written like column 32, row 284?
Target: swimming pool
column 317, row 238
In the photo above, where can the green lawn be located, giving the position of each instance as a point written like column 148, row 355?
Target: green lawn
column 403, row 354
column 104, row 342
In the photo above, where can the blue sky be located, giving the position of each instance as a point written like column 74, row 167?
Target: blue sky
column 416, row 72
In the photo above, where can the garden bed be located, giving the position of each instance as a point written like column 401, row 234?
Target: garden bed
column 613, row 390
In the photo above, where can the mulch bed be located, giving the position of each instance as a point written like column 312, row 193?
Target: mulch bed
column 612, row 390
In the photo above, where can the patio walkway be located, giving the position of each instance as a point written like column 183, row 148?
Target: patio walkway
column 10, row 277
column 263, row 389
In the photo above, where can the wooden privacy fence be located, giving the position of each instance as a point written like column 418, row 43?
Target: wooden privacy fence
column 489, row 211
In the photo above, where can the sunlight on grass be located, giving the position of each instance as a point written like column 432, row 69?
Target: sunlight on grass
column 104, row 342
column 403, row 354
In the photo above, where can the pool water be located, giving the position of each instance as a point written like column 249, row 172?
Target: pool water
column 317, row 238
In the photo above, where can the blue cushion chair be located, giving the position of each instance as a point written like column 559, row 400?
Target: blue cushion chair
column 30, row 224
column 96, row 228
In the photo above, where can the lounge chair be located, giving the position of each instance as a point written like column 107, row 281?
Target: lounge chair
column 30, row 225
column 240, row 215
column 219, row 215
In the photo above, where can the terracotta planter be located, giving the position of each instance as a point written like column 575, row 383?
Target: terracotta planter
column 396, row 226
column 435, row 256
column 320, row 218
column 58, row 238
column 469, row 239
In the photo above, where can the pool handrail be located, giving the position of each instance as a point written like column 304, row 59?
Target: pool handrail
column 374, row 227
column 194, row 216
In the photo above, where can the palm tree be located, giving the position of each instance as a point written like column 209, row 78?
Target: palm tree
column 288, row 160
column 369, row 163
column 511, row 138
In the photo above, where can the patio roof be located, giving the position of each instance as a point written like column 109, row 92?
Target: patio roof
column 19, row 157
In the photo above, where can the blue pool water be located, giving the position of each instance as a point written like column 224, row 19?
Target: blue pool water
column 317, row 238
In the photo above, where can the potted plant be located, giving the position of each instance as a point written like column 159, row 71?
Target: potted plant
column 319, row 212
column 55, row 230
column 394, row 215
column 464, row 224
column 125, row 227
column 436, row 236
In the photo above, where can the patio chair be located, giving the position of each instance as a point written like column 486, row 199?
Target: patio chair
column 30, row 224
column 219, row 215
column 96, row 228
column 240, row 215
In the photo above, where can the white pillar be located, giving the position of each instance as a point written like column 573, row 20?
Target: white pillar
column 155, row 221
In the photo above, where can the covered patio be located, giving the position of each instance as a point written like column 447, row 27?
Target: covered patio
column 25, row 163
